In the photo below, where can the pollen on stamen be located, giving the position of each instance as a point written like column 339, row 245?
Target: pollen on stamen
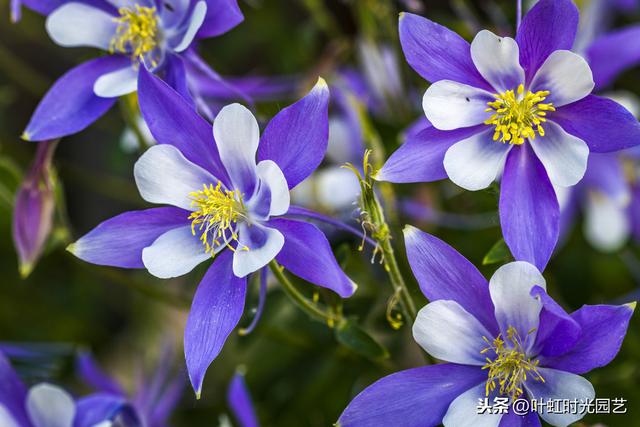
column 509, row 367
column 518, row 115
column 217, row 211
column 137, row 33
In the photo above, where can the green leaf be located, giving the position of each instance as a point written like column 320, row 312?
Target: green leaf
column 352, row 336
column 498, row 253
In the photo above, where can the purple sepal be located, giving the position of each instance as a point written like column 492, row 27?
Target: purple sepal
column 99, row 407
column 13, row 393
column 549, row 26
column 71, row 105
column 173, row 121
column 437, row 53
column 603, row 124
column 216, row 310
column 239, row 400
column 603, row 330
column 444, row 274
column 510, row 419
column 416, row 397
column 612, row 53
column 119, row 241
column 176, row 76
column 296, row 138
column 222, row 16
column 420, row 158
column 557, row 332
column 93, row 375
column 529, row 211
column 307, row 254
column 33, row 209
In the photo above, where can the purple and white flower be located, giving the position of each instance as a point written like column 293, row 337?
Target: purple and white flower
column 137, row 34
column 517, row 108
column 227, row 197
column 504, row 338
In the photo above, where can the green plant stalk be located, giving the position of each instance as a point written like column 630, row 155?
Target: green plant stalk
column 300, row 300
column 129, row 108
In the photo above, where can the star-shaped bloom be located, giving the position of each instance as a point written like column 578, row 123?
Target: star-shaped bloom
column 136, row 34
column 520, row 109
column 506, row 338
column 227, row 197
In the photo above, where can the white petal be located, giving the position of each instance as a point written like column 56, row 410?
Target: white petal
column 498, row 60
column 271, row 175
column 560, row 386
column 475, row 162
column 237, row 134
column 337, row 188
column 50, row 406
column 566, row 76
column 6, row 419
column 606, row 224
column 463, row 411
column 452, row 105
column 563, row 155
column 78, row 24
column 175, row 253
column 117, row 83
column 164, row 176
column 195, row 22
column 263, row 244
column 510, row 289
column 448, row 332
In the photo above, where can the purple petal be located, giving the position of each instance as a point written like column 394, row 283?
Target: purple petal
column 437, row 53
column 216, row 309
column 296, row 138
column 239, row 400
column 96, row 408
column 604, row 328
column 175, row 75
column 634, row 211
column 416, row 397
column 222, row 16
column 307, row 254
column 92, row 374
column 612, row 53
column 549, row 26
column 420, row 158
column 529, row 212
column 557, row 331
column 173, row 121
column 71, row 105
column 512, row 420
column 444, row 274
column 119, row 241
column 602, row 123
column 605, row 173
column 13, row 392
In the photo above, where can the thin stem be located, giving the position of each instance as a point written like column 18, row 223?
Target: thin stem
column 399, row 285
column 300, row 300
column 518, row 13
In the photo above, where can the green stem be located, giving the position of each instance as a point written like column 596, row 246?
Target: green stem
column 129, row 113
column 399, row 285
column 300, row 300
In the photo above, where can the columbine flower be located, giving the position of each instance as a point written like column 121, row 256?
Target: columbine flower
column 239, row 400
column 137, row 34
column 223, row 205
column 517, row 107
column 46, row 405
column 506, row 338
column 33, row 209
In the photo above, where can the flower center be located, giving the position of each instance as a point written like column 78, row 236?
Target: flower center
column 137, row 32
column 217, row 212
column 518, row 115
column 509, row 368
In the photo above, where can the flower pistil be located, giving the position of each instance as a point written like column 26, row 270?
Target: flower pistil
column 518, row 115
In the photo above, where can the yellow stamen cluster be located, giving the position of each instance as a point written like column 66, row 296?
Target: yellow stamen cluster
column 217, row 212
column 518, row 115
column 137, row 32
column 509, row 368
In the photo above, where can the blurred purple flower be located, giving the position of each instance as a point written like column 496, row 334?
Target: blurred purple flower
column 503, row 339
column 239, row 400
column 152, row 34
column 33, row 209
column 521, row 107
column 220, row 198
